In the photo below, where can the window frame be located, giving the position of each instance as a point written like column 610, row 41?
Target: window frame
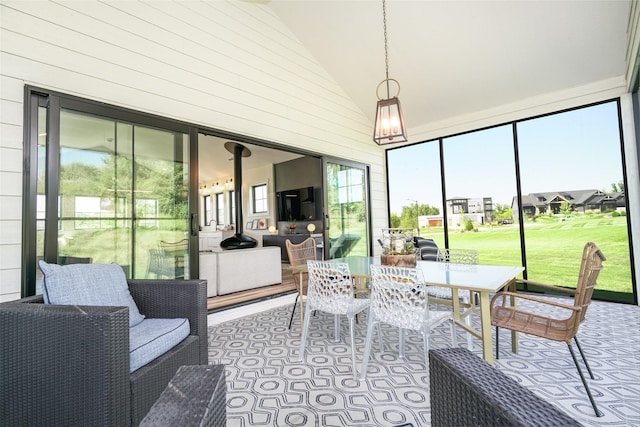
column 262, row 200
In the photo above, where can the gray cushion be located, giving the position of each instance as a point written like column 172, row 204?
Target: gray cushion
column 153, row 337
column 88, row 284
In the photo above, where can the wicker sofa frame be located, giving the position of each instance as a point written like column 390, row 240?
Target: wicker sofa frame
column 69, row 365
column 467, row 391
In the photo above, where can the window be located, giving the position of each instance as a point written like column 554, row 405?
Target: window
column 220, row 208
column 259, row 198
column 232, row 203
column 208, row 210
column 571, row 179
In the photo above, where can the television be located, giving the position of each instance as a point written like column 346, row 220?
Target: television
column 296, row 205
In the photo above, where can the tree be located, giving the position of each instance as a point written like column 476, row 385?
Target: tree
column 394, row 221
column 409, row 216
column 501, row 212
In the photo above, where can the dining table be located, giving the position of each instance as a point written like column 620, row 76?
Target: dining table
column 479, row 279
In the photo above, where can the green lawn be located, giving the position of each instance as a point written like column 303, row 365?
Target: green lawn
column 554, row 248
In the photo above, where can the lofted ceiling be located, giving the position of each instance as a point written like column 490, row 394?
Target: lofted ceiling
column 454, row 57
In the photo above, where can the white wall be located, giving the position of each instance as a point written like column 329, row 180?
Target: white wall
column 229, row 65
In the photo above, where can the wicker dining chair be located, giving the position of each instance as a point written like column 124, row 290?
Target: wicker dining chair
column 173, row 258
column 556, row 328
column 331, row 291
column 298, row 255
column 399, row 298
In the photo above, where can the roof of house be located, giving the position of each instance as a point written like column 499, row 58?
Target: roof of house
column 574, row 197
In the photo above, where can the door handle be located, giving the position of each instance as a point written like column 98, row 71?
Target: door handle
column 194, row 224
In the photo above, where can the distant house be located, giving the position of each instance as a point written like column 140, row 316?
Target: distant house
column 460, row 209
column 580, row 201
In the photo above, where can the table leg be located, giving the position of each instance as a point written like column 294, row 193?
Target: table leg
column 485, row 321
column 514, row 334
column 455, row 305
column 300, row 289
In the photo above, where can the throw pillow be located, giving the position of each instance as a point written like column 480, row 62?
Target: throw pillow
column 88, row 284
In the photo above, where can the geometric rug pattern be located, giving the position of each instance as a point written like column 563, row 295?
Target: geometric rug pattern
column 268, row 386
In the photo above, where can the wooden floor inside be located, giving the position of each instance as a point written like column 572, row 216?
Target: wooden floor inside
column 237, row 298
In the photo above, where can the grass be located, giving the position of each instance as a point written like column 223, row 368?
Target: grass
column 554, row 248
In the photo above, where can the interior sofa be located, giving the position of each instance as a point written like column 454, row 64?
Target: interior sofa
column 228, row 271
column 70, row 364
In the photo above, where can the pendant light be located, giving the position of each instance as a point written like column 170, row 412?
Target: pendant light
column 389, row 124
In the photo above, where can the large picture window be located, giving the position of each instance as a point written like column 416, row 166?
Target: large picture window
column 570, row 172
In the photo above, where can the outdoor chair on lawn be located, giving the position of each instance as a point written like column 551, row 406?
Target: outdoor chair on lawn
column 298, row 255
column 331, row 291
column 399, row 298
column 556, row 328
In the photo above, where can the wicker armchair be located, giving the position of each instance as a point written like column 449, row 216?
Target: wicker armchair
column 555, row 328
column 69, row 365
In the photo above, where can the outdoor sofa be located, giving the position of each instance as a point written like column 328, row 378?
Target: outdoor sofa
column 70, row 364
column 467, row 391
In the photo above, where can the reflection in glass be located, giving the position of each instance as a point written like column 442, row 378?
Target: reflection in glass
column 123, row 191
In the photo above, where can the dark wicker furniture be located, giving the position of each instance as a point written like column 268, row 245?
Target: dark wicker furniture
column 69, row 365
column 467, row 391
column 195, row 397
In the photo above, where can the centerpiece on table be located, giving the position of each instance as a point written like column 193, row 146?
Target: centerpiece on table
column 398, row 248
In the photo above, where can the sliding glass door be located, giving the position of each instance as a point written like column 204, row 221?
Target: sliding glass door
column 108, row 190
column 346, row 209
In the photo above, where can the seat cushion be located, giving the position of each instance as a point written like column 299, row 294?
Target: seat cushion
column 88, row 284
column 152, row 338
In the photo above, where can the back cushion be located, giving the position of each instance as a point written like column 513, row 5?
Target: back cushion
column 88, row 284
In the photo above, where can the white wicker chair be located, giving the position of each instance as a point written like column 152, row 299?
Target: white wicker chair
column 399, row 297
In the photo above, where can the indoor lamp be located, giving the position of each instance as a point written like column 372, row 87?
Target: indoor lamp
column 389, row 124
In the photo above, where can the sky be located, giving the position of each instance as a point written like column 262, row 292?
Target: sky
column 575, row 150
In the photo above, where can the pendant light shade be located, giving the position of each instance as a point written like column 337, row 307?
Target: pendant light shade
column 389, row 123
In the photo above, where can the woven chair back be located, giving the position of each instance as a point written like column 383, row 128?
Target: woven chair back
column 301, row 252
column 590, row 267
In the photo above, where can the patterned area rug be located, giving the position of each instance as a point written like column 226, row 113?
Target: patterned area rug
column 268, row 386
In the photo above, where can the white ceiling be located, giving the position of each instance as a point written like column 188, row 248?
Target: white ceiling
column 454, row 57
column 216, row 163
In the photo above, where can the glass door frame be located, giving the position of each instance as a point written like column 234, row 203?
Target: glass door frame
column 325, row 199
column 34, row 99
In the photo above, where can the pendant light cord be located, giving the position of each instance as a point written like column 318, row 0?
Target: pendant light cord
column 386, row 52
